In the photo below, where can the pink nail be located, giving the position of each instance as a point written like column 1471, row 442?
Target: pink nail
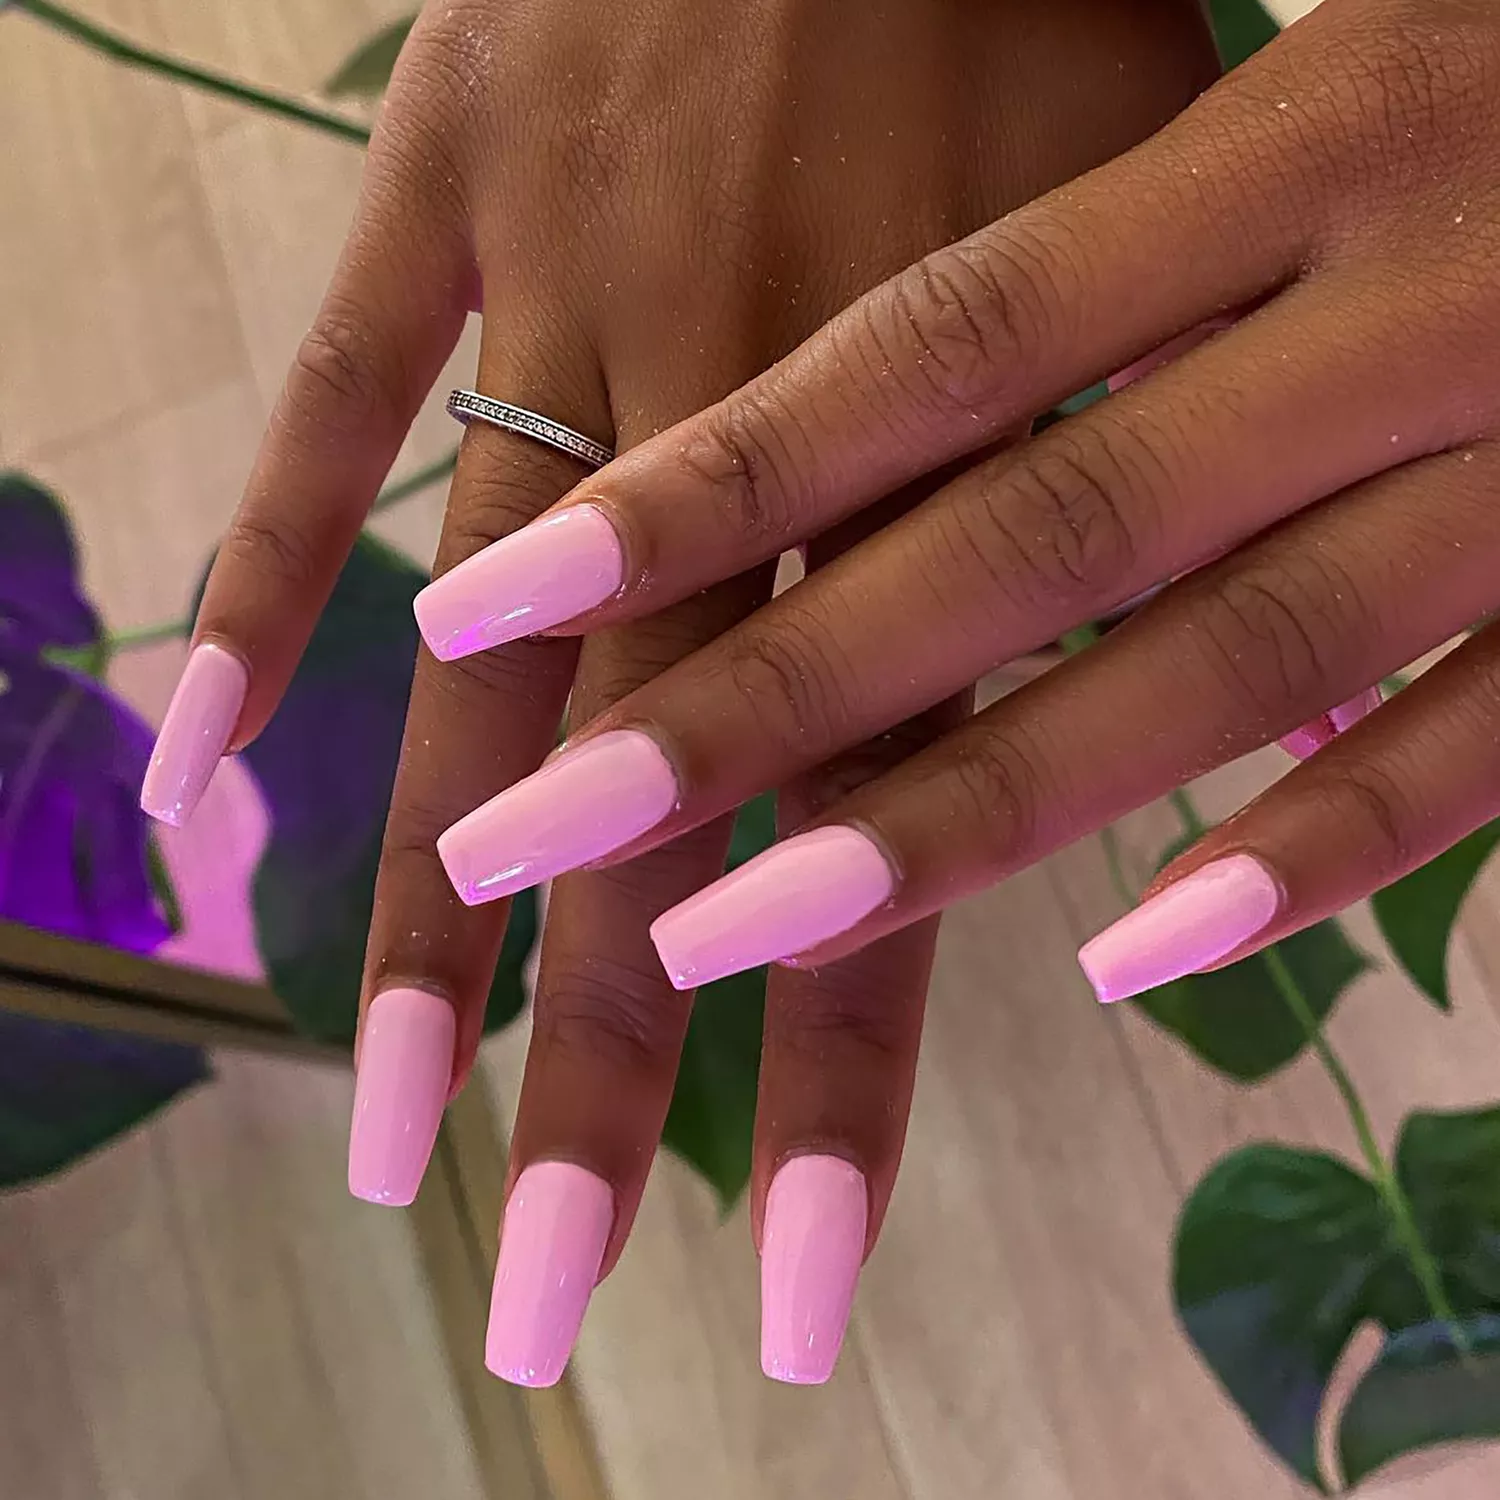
column 579, row 807
column 794, row 896
column 1187, row 927
column 811, row 1251
column 1316, row 733
column 541, row 576
column 552, row 1242
column 405, row 1067
column 195, row 733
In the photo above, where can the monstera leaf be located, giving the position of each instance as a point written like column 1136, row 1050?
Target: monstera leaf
column 711, row 1124
column 1281, row 1255
column 1418, row 913
column 1238, row 1019
column 327, row 763
column 75, row 855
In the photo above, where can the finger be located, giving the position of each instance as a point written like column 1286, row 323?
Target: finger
column 1267, row 417
column 934, row 364
column 607, row 1027
column 388, row 321
column 1218, row 664
column 837, row 1069
column 471, row 727
column 1404, row 786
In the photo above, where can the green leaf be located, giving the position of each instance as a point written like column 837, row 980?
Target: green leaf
column 1235, row 1018
column 1423, row 1390
column 327, row 764
column 1241, row 28
column 161, row 884
column 367, row 70
column 1448, row 1165
column 1417, row 914
column 711, row 1122
column 1280, row 1255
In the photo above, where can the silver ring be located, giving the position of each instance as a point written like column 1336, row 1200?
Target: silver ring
column 470, row 406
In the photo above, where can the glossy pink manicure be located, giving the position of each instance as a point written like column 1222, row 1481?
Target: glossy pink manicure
column 579, row 807
column 195, row 733
column 811, row 1251
column 538, row 577
column 1316, row 733
column 405, row 1068
column 1187, row 927
column 785, row 901
column 556, row 1226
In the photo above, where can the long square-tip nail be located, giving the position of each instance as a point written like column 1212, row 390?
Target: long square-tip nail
column 538, row 577
column 1190, row 925
column 195, row 733
column 405, row 1069
column 557, row 1224
column 793, row 896
column 811, row 1250
column 584, row 804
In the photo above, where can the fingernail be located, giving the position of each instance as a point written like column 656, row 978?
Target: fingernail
column 195, row 733
column 1347, row 715
column 405, row 1067
column 552, row 1242
column 811, row 1250
column 795, row 895
column 1312, row 736
column 578, row 808
column 1191, row 924
column 541, row 576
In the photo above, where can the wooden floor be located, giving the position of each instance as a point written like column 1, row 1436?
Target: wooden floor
column 201, row 1313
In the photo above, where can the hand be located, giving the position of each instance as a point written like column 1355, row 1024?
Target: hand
column 1324, row 472
column 650, row 202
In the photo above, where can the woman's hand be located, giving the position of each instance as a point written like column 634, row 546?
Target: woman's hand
column 1325, row 472
column 650, row 201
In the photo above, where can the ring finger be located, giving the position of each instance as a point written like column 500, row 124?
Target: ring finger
column 472, row 727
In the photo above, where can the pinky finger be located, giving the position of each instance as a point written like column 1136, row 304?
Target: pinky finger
column 1385, row 796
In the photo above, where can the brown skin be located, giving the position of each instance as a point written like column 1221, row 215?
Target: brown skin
column 1334, row 450
column 650, row 201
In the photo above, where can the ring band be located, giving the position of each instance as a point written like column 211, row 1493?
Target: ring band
column 470, row 406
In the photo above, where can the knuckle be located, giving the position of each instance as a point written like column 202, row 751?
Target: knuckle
column 1257, row 641
column 781, row 671
column 828, row 1019
column 1365, row 796
column 605, row 1009
column 997, row 790
column 746, row 457
column 278, row 552
column 1058, row 523
column 339, row 381
column 960, row 320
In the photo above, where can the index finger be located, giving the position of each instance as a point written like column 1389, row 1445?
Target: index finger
column 931, row 366
column 389, row 319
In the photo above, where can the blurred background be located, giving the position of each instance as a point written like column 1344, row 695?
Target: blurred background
column 196, row 1310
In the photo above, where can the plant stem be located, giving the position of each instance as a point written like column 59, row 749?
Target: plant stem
column 414, row 484
column 1109, row 841
column 95, row 658
column 1397, row 1205
column 118, row 48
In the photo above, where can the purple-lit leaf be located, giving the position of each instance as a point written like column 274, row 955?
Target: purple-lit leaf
column 72, row 841
column 66, row 1090
column 40, row 601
